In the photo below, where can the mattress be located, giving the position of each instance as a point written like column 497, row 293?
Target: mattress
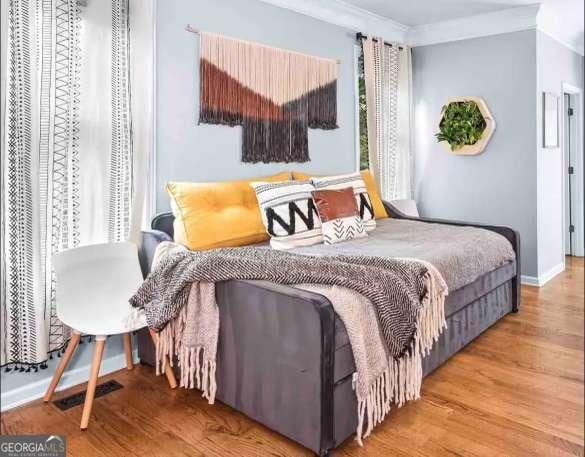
column 462, row 254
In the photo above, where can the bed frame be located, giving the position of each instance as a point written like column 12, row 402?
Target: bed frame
column 296, row 378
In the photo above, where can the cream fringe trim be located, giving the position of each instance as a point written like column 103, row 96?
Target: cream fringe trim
column 399, row 383
column 402, row 380
column 197, row 369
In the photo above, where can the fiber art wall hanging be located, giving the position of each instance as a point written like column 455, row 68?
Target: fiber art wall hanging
column 274, row 94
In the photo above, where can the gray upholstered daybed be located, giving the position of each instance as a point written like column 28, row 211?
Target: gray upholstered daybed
column 298, row 380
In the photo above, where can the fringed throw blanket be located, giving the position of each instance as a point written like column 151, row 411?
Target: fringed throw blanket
column 393, row 310
column 275, row 95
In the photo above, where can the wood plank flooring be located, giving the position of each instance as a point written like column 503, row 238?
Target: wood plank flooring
column 515, row 391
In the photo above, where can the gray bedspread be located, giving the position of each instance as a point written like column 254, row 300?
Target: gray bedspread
column 461, row 254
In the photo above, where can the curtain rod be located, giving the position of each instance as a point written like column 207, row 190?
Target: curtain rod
column 359, row 36
column 190, row 29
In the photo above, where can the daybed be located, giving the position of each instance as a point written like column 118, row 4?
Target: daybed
column 284, row 358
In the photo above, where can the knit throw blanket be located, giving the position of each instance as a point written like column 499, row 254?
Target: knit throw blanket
column 393, row 310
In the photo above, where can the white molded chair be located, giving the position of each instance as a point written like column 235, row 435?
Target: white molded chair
column 93, row 286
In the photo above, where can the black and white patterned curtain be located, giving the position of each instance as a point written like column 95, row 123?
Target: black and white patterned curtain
column 67, row 156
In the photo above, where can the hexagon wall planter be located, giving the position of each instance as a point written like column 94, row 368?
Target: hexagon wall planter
column 490, row 126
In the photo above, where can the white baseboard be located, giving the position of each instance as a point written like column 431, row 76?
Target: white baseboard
column 35, row 390
column 529, row 281
column 541, row 280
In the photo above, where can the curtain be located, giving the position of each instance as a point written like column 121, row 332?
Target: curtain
column 67, row 156
column 387, row 75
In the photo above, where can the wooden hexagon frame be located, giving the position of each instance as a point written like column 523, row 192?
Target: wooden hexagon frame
column 490, row 126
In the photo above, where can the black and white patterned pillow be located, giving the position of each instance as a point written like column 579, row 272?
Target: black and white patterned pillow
column 360, row 190
column 343, row 229
column 289, row 213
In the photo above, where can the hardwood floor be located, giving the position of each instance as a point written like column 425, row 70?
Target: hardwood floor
column 515, row 391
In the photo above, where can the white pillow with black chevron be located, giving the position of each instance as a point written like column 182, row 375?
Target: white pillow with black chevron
column 289, row 213
column 362, row 198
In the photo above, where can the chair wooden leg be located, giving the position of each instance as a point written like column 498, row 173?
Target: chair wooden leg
column 73, row 343
column 168, row 369
column 128, row 351
column 91, row 385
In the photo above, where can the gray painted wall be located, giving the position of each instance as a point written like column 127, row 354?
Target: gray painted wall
column 187, row 151
column 556, row 64
column 190, row 152
column 499, row 185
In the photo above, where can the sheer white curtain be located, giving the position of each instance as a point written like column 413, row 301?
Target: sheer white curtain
column 387, row 74
column 67, row 158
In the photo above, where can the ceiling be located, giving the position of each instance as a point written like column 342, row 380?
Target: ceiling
column 418, row 12
column 561, row 18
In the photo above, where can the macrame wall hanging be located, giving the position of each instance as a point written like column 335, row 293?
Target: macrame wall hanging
column 275, row 95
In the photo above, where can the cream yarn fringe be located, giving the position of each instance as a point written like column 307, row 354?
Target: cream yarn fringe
column 402, row 380
column 197, row 370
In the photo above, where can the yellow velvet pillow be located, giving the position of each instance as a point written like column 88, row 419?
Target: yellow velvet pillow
column 371, row 185
column 214, row 215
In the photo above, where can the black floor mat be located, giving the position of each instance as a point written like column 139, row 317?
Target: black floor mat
column 78, row 399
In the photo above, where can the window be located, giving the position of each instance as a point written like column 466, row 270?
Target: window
column 362, row 112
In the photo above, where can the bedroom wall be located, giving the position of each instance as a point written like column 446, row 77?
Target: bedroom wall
column 187, row 151
column 191, row 152
column 556, row 64
column 499, row 185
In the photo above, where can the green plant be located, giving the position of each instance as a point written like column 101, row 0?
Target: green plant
column 461, row 124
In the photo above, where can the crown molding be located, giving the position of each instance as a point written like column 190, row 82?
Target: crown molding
column 548, row 24
column 338, row 12
column 575, row 47
column 495, row 23
column 348, row 16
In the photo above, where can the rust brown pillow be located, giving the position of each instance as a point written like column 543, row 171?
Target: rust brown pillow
column 333, row 204
column 339, row 215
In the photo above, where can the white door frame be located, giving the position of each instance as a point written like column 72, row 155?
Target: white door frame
column 579, row 219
